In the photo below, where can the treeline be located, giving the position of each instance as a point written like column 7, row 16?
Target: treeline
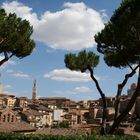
column 15, row 136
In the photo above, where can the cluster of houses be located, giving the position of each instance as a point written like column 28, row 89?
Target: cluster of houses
column 21, row 114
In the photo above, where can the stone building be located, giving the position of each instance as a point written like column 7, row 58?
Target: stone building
column 123, row 104
column 34, row 118
column 131, row 90
column 22, row 102
column 57, row 101
column 10, row 101
column 110, row 101
column 8, row 115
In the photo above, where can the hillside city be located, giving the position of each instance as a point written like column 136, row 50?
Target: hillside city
column 68, row 45
column 50, row 115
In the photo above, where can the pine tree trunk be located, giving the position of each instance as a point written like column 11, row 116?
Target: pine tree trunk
column 104, row 117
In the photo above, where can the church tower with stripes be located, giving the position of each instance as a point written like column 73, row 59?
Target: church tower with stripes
column 34, row 92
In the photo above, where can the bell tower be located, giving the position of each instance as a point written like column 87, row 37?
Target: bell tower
column 34, row 91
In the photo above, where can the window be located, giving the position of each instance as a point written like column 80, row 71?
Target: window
column 4, row 117
column 12, row 119
column 8, row 118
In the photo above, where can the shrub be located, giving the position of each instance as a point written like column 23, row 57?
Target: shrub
column 137, row 128
column 15, row 136
column 64, row 125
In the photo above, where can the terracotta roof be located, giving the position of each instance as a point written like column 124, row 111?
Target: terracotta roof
column 7, row 110
column 3, row 95
column 16, row 127
column 32, row 112
column 64, row 131
column 85, row 125
column 42, row 108
column 22, row 98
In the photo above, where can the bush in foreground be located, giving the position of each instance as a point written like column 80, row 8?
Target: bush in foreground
column 15, row 136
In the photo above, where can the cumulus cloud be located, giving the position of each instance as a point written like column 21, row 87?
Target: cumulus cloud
column 72, row 28
column 68, row 75
column 22, row 11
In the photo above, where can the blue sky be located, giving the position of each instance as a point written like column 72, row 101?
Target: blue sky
column 60, row 27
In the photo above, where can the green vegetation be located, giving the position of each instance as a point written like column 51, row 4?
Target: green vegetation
column 137, row 126
column 15, row 136
column 15, row 37
column 64, row 124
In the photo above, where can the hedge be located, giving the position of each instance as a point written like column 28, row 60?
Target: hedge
column 15, row 136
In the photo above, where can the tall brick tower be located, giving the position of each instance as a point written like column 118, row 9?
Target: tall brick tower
column 34, row 91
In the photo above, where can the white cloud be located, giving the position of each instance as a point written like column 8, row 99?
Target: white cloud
column 104, row 15
column 18, row 74
column 9, row 71
column 7, row 86
column 68, row 75
column 72, row 28
column 82, row 89
column 21, row 75
column 76, row 90
column 22, row 11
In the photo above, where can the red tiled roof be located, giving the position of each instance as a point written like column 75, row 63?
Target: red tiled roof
column 32, row 112
column 16, row 127
column 84, row 125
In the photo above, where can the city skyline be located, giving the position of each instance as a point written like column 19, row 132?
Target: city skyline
column 60, row 27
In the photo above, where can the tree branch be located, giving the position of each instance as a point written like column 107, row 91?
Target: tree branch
column 1, row 41
column 120, row 88
column 130, row 66
column 6, row 58
column 103, row 100
column 128, row 107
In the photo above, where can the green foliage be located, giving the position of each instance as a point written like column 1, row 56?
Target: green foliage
column 15, row 35
column 119, row 40
column 81, row 61
column 64, row 124
column 15, row 136
column 137, row 127
column 91, row 121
